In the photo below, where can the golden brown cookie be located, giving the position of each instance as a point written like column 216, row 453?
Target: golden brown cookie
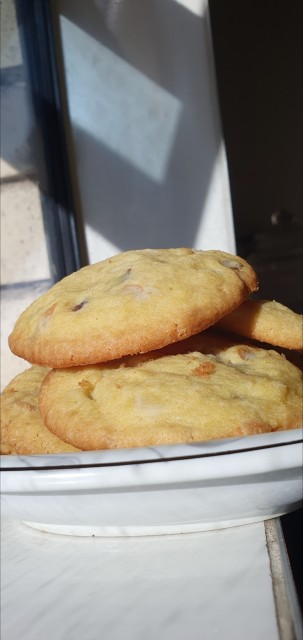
column 132, row 303
column 7, row 449
column 266, row 321
column 212, row 388
column 22, row 429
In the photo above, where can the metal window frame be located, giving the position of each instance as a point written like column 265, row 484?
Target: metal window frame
column 41, row 56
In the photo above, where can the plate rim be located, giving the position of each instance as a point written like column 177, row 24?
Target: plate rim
column 164, row 453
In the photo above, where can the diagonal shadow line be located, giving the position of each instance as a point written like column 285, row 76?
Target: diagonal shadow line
column 129, row 28
column 119, row 201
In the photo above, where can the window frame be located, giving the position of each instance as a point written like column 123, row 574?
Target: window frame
column 42, row 67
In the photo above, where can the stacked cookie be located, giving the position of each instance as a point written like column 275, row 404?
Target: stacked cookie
column 124, row 356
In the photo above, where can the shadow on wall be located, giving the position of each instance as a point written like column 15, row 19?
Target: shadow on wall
column 144, row 118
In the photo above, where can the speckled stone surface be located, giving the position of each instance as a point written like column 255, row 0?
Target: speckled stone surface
column 23, row 236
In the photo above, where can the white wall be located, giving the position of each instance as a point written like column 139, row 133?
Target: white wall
column 146, row 131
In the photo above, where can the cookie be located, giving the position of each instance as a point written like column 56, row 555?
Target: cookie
column 22, row 429
column 7, row 449
column 213, row 388
column 266, row 321
column 135, row 302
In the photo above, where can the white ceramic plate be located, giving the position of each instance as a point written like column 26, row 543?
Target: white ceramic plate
column 156, row 490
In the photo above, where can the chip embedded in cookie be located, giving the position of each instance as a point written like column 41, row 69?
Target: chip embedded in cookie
column 266, row 321
column 132, row 303
column 213, row 388
column 22, row 429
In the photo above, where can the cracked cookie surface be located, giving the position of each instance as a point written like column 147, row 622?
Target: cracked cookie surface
column 131, row 303
column 202, row 388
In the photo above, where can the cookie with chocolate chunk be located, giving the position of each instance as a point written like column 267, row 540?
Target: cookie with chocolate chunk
column 266, row 321
column 132, row 303
column 200, row 389
column 22, row 429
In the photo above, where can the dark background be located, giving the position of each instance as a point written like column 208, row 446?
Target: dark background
column 258, row 56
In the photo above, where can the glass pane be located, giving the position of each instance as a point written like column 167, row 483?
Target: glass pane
column 25, row 265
